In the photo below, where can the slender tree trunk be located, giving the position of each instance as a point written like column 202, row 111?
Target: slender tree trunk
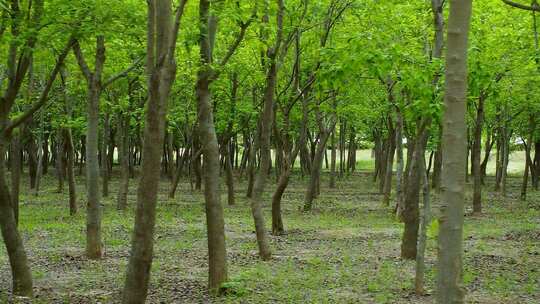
column 422, row 239
column 68, row 140
column 536, row 165
column 161, row 71
column 311, row 192
column 16, row 166
column 229, row 177
column 476, row 151
column 39, row 169
column 104, row 155
column 333, row 161
column 399, row 170
column 252, row 165
column 261, row 176
column 437, row 167
column 123, row 157
column 449, row 276
column 411, row 210
column 59, row 161
column 525, row 182
column 217, row 254
column 20, row 271
column 389, row 163
column 487, row 151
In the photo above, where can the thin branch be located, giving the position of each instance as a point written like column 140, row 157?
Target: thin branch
column 176, row 27
column 122, row 74
column 232, row 48
column 534, row 7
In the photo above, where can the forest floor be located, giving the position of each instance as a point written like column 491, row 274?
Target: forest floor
column 345, row 251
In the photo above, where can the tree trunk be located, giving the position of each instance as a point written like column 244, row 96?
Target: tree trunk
column 389, row 163
column 39, row 169
column 68, row 140
column 449, row 276
column 252, row 165
column 411, row 211
column 311, row 192
column 332, row 183
column 104, row 155
column 123, row 157
column 399, row 170
column 229, row 177
column 60, row 144
column 536, row 166
column 16, row 167
column 476, row 150
column 161, row 71
column 217, row 254
column 20, row 271
column 487, row 151
column 422, row 239
column 437, row 167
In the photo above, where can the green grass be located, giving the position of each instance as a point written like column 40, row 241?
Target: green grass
column 345, row 251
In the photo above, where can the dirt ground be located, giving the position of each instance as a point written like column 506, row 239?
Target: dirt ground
column 345, row 251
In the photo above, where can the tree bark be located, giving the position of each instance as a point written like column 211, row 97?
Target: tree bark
column 389, row 163
column 422, row 239
column 68, row 140
column 20, row 271
column 16, row 167
column 123, row 157
column 399, row 155
column 411, row 211
column 311, row 192
column 161, row 71
column 332, row 183
column 104, row 155
column 476, row 150
column 449, row 277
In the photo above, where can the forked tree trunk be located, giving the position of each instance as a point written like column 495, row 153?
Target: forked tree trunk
column 449, row 276
column 311, row 191
column 161, row 71
column 93, row 211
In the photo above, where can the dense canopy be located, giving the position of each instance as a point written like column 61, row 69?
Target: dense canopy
column 314, row 147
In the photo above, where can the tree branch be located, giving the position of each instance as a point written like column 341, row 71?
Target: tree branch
column 80, row 60
column 533, row 7
column 232, row 48
column 122, row 74
column 45, row 93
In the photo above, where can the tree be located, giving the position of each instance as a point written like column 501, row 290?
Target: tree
column 266, row 120
column 18, row 61
column 454, row 143
column 161, row 70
